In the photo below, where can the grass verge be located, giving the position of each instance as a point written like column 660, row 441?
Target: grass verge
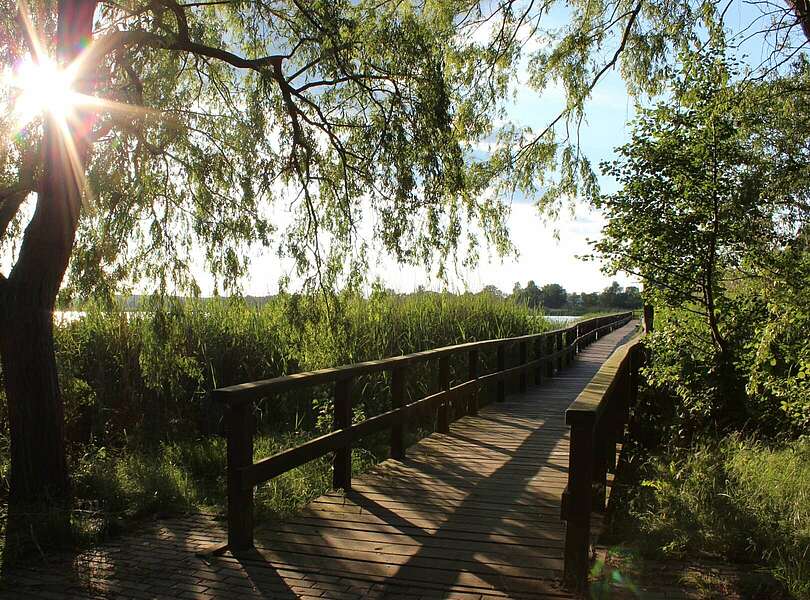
column 733, row 499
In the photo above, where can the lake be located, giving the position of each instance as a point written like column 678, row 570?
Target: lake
column 560, row 319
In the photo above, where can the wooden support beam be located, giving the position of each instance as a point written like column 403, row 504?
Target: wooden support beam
column 578, row 505
column 240, row 426
column 398, row 401
column 472, row 373
column 342, row 471
column 523, row 359
column 501, row 393
column 443, row 420
column 538, row 355
column 649, row 318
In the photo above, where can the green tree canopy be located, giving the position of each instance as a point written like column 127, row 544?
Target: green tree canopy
column 711, row 183
column 531, row 295
column 554, row 295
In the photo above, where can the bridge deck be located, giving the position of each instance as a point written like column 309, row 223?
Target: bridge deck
column 471, row 514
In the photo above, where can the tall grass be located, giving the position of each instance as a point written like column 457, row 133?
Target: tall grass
column 150, row 374
column 734, row 499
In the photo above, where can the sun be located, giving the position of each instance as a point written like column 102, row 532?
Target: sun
column 41, row 87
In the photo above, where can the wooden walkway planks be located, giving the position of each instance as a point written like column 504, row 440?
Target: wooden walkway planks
column 470, row 514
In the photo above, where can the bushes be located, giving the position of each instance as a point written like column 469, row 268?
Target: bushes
column 761, row 386
column 722, row 467
column 780, row 367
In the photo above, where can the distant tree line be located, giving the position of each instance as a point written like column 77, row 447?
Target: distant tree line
column 553, row 296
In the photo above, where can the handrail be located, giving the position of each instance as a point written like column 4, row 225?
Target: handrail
column 597, row 418
column 253, row 390
column 552, row 351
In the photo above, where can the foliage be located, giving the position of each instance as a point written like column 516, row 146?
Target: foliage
column 780, row 354
column 571, row 46
column 698, row 188
column 531, row 295
column 735, row 499
column 713, row 204
column 280, row 123
column 350, row 109
column 553, row 296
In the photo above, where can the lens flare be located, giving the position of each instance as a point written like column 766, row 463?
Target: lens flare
column 40, row 87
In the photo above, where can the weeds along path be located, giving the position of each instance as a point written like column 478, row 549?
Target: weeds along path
column 470, row 514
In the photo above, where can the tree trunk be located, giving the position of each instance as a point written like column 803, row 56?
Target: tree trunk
column 801, row 8
column 38, row 466
column 39, row 475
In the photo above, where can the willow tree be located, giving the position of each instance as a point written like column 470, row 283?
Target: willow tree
column 143, row 134
column 575, row 45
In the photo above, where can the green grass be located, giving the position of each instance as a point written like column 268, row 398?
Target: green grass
column 114, row 489
column 734, row 499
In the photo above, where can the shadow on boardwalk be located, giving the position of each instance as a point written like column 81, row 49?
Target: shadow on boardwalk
column 472, row 514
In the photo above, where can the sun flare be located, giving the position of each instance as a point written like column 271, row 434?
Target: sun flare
column 42, row 87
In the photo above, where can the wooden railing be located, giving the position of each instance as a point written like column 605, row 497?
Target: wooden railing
column 551, row 350
column 597, row 418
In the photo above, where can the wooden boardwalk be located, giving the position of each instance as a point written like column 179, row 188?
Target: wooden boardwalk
column 472, row 514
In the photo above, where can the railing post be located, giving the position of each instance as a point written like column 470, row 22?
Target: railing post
column 501, row 394
column 649, row 318
column 577, row 507
column 560, row 351
column 602, row 437
column 571, row 336
column 523, row 359
column 397, row 401
column 240, row 425
column 549, row 353
column 564, row 348
column 538, row 354
column 473, row 375
column 342, row 469
column 443, row 422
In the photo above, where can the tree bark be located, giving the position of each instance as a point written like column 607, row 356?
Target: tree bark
column 39, row 475
column 801, row 8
